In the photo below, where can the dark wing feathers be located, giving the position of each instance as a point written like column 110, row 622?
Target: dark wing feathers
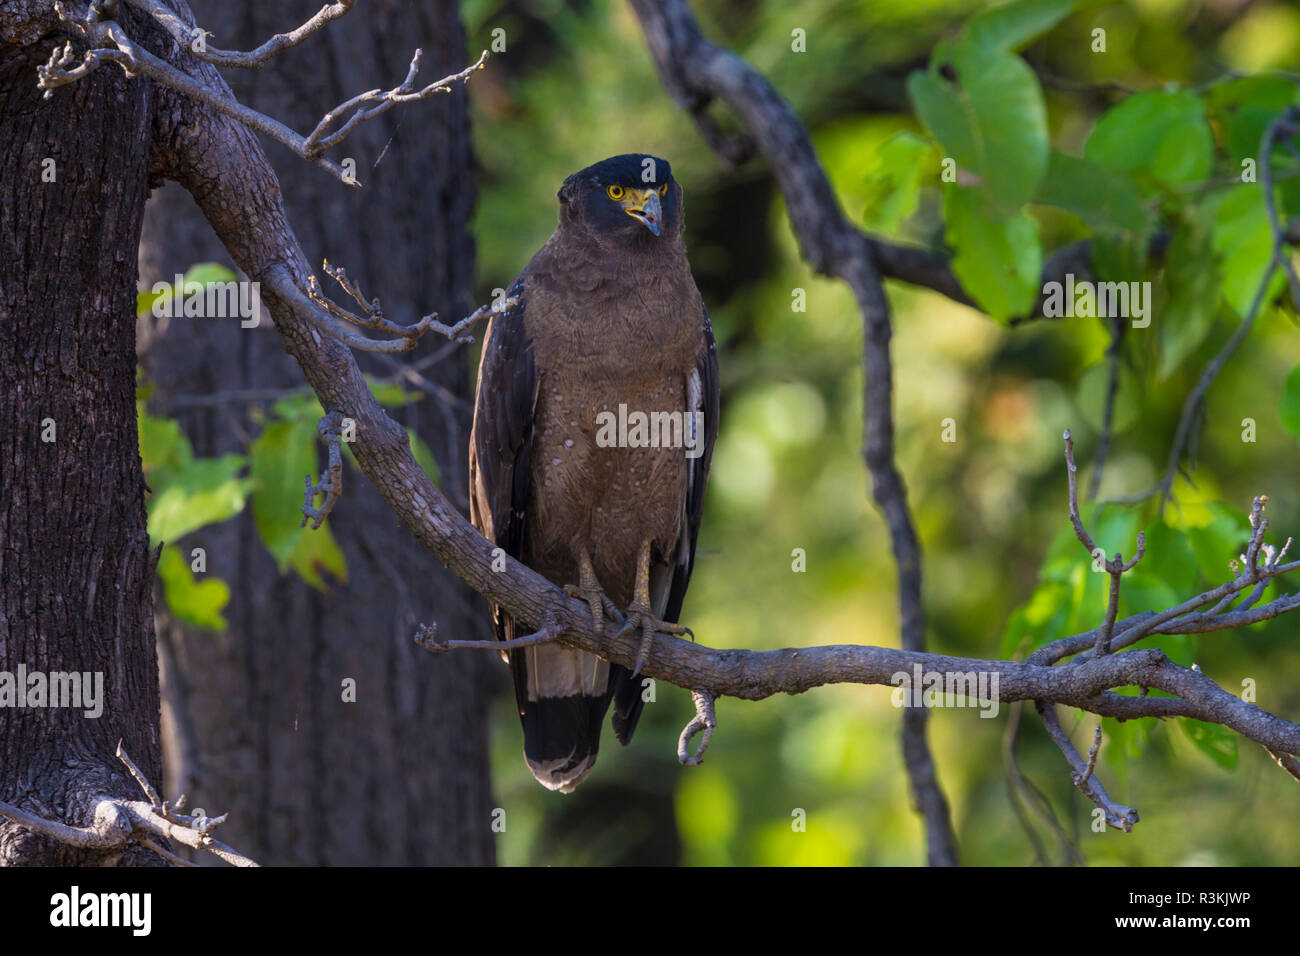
column 709, row 398
column 501, row 450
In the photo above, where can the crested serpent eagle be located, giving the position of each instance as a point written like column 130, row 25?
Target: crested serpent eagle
column 594, row 422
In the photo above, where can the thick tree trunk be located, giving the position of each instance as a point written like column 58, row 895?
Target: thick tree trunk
column 401, row 775
column 75, row 567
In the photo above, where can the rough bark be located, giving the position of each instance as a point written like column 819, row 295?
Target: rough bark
column 75, row 567
column 413, row 748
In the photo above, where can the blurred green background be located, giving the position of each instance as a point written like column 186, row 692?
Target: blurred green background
column 577, row 85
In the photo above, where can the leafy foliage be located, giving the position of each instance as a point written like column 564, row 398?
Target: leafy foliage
column 190, row 494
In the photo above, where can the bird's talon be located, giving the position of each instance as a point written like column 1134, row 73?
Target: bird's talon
column 629, row 622
column 595, row 599
column 647, row 637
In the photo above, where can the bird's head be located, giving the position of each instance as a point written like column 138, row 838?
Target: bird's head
column 631, row 197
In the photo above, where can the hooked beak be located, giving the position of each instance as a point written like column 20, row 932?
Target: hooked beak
column 643, row 204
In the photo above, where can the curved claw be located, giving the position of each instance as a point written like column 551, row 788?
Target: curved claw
column 629, row 622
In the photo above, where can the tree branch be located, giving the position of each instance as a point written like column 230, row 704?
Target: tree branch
column 253, row 59
column 109, row 41
column 118, row 822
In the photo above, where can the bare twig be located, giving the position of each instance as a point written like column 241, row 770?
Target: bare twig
column 330, row 429
column 1093, row 751
column 366, row 106
column 1118, row 815
column 148, row 789
column 1114, row 567
column 117, row 822
column 374, row 316
column 107, row 40
column 706, row 721
column 59, row 70
column 1024, row 796
column 1072, row 483
column 167, row 855
column 187, row 36
column 427, row 638
column 1114, row 354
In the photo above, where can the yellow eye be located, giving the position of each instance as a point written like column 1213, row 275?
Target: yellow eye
column 663, row 190
column 615, row 192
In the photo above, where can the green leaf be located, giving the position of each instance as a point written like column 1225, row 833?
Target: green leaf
column 318, row 554
column 1246, row 105
column 893, row 184
column 1162, row 135
column 205, row 272
column 999, row 263
column 1115, row 746
column 198, row 603
column 1219, row 541
column 987, row 112
column 1118, row 257
column 1168, row 573
column 1011, row 26
column 1091, row 397
column 1214, row 740
column 1289, row 410
column 1124, row 739
column 1038, row 621
column 164, row 449
column 1115, row 529
column 1099, row 196
column 1244, row 241
column 300, row 405
column 1189, row 313
column 201, row 273
column 144, row 301
column 280, row 460
column 392, row 396
column 203, row 492
column 424, row 456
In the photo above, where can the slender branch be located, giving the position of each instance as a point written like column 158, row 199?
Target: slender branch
column 427, row 638
column 59, row 70
column 117, row 822
column 166, row 854
column 109, row 41
column 1114, row 354
column 366, row 106
column 330, row 429
column 374, row 317
column 1093, row 751
column 187, row 35
column 1118, row 815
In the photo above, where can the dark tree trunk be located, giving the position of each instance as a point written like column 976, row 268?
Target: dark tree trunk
column 75, row 567
column 401, row 775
